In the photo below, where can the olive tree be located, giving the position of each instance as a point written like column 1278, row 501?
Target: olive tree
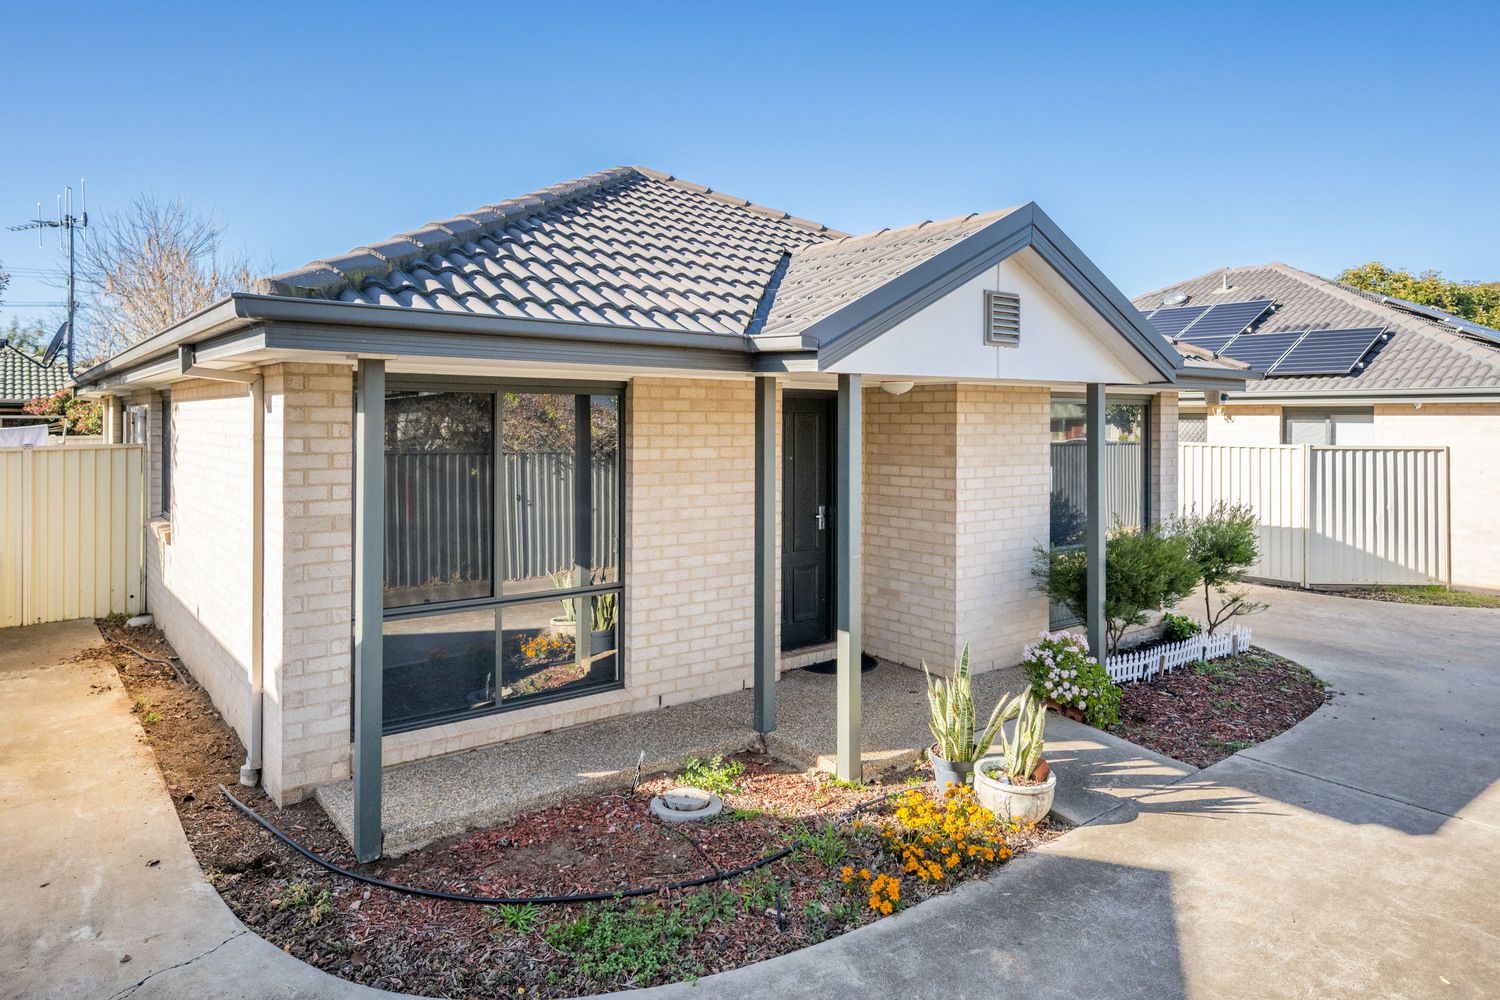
column 1223, row 546
column 1145, row 570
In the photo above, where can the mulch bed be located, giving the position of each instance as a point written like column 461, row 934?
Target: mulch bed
column 607, row 841
column 1202, row 713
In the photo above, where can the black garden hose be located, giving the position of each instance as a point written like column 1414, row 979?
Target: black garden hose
column 578, row 897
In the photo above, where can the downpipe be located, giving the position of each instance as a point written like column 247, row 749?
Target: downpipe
column 254, row 741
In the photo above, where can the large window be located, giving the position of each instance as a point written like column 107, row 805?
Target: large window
column 503, row 548
column 1125, row 479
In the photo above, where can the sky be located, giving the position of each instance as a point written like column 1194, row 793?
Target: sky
column 1165, row 140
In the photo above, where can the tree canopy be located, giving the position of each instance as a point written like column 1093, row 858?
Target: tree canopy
column 1474, row 301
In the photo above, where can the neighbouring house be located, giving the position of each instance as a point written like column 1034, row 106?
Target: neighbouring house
column 624, row 443
column 23, row 377
column 1343, row 366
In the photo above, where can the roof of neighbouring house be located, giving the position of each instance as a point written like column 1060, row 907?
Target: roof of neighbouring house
column 625, row 247
column 24, row 377
column 1421, row 353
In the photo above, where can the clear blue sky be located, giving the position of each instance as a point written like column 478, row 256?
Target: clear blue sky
column 1166, row 143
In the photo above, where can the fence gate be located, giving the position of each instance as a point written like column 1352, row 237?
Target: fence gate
column 71, row 532
column 1332, row 515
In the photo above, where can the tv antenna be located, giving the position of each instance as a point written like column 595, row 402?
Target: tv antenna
column 67, row 225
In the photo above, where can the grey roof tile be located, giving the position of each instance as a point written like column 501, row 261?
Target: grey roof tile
column 1421, row 353
column 23, row 377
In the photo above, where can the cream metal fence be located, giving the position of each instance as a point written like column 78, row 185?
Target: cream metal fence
column 71, row 532
column 1332, row 515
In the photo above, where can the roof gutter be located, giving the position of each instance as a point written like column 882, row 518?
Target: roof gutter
column 1369, row 397
column 242, row 310
column 254, row 738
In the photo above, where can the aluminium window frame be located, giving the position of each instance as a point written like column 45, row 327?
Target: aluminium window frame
column 497, row 600
column 1328, row 415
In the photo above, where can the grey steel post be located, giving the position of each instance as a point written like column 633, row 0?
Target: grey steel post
column 849, row 569
column 1098, row 514
column 369, row 572
column 765, row 555
column 583, row 529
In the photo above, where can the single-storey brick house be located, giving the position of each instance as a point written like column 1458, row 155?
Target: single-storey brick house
column 1392, row 373
column 394, row 486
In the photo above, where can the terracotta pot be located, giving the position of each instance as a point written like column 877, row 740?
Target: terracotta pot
column 1067, row 712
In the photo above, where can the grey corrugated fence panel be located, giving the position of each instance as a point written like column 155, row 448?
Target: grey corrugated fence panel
column 1331, row 515
column 1122, row 472
column 438, row 504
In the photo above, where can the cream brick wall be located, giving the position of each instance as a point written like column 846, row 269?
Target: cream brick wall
column 1003, row 513
column 911, row 528
column 1162, row 435
column 198, row 586
column 1238, row 424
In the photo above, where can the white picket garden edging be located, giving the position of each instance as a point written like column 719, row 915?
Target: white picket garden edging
column 1146, row 664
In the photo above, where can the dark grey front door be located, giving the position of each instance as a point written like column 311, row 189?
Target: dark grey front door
column 806, row 520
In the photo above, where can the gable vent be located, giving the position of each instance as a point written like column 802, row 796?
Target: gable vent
column 1002, row 319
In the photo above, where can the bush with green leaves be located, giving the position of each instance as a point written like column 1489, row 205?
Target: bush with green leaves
column 1223, row 544
column 1060, row 669
column 1145, row 570
column 712, row 774
column 1175, row 627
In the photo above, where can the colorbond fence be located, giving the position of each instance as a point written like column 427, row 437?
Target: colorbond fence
column 439, row 525
column 1332, row 515
column 71, row 532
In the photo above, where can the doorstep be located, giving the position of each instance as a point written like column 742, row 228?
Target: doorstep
column 426, row 800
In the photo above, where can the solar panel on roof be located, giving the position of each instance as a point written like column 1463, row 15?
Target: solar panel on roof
column 1328, row 352
column 1225, row 319
column 1171, row 322
column 1262, row 350
column 1215, row 344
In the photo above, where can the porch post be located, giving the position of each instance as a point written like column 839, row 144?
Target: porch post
column 765, row 555
column 1097, row 515
column 369, row 571
column 849, row 570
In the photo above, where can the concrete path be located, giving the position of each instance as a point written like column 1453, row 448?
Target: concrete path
column 102, row 897
column 1354, row 856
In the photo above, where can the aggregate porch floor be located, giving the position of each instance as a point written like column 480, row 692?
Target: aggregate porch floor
column 434, row 798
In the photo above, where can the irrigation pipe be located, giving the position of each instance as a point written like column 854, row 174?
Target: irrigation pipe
column 577, row 897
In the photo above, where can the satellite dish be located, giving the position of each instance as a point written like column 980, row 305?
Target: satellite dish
column 1175, row 299
column 56, row 345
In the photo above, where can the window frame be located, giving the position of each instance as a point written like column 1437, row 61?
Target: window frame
column 498, row 599
column 1328, row 415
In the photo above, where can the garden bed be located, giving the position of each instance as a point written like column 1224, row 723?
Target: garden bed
column 838, row 877
column 1204, row 712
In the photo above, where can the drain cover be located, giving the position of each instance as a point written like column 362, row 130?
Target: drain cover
column 683, row 805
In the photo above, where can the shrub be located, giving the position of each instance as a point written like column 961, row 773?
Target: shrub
column 1176, row 628
column 931, row 837
column 1144, row 570
column 81, row 416
column 1222, row 544
column 1060, row 669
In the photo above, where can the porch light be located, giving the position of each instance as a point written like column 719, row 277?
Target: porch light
column 897, row 388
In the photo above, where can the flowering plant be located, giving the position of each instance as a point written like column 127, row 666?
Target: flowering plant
column 931, row 836
column 1062, row 670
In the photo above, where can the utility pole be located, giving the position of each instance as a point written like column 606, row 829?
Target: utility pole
column 67, row 224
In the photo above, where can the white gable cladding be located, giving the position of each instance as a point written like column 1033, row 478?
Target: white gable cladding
column 1062, row 338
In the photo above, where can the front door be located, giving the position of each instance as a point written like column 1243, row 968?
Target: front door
column 806, row 520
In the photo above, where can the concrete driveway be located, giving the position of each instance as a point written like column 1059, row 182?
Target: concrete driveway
column 1355, row 856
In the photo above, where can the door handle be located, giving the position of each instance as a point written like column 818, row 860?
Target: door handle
column 822, row 520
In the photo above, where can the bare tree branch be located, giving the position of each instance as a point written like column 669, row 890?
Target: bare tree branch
column 150, row 265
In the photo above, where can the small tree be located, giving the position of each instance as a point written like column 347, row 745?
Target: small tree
column 1144, row 571
column 1222, row 543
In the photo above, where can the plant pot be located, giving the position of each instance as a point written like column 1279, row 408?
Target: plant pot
column 602, row 648
column 950, row 772
column 1066, row 711
column 563, row 625
column 1023, row 804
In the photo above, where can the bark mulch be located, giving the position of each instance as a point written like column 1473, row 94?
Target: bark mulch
column 1205, row 712
column 598, row 842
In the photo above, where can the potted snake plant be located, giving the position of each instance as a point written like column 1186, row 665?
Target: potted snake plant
column 1016, row 784
column 958, row 740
